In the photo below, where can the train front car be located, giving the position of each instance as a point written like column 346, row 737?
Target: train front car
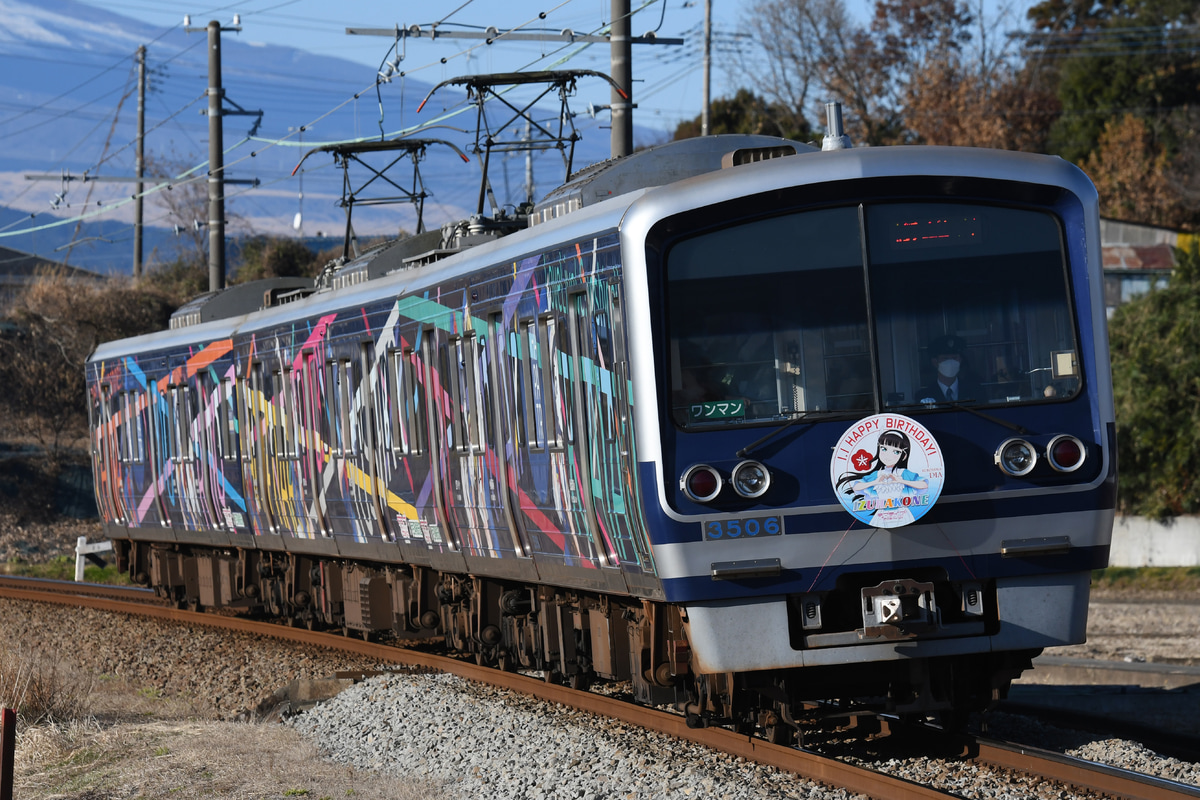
column 875, row 426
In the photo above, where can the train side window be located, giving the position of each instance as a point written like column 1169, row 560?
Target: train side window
column 227, row 413
column 411, row 402
column 534, row 396
column 338, row 399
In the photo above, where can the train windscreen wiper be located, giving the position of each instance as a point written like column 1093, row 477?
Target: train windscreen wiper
column 958, row 404
column 798, row 418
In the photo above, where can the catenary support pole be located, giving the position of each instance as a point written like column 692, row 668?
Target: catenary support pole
column 216, row 163
column 140, row 164
column 622, row 73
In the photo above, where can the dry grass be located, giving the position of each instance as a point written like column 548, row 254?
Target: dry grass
column 191, row 759
column 105, row 739
column 41, row 688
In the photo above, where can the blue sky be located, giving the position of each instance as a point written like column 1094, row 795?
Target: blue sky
column 668, row 79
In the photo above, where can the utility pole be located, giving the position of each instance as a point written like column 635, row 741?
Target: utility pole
column 216, row 150
column 140, row 164
column 622, row 74
column 704, row 112
column 216, row 163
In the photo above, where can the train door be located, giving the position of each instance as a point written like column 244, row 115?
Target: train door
column 181, row 479
column 283, row 487
column 504, row 370
column 345, row 403
column 229, row 433
column 254, row 426
column 440, row 415
column 162, row 456
column 373, row 425
column 409, row 411
column 106, row 447
column 475, row 497
column 598, row 352
column 310, row 446
column 591, row 382
column 143, row 466
column 208, row 465
column 131, row 457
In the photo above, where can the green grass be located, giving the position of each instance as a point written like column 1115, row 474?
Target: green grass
column 1170, row 579
column 63, row 568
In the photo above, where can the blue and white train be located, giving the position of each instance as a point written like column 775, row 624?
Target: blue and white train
column 745, row 423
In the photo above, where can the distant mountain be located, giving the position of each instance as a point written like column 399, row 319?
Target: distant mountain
column 66, row 67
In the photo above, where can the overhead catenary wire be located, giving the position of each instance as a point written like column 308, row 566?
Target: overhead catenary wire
column 284, row 140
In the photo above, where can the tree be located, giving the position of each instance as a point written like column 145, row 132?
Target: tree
column 1155, row 345
column 947, row 103
column 51, row 329
column 1115, row 57
column 814, row 47
column 1131, row 170
column 746, row 112
column 275, row 257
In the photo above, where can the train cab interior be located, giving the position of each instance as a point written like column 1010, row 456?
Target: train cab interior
column 779, row 316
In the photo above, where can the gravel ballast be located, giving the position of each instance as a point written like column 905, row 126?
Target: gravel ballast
column 469, row 741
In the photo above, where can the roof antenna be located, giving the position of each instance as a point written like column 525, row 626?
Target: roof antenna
column 835, row 138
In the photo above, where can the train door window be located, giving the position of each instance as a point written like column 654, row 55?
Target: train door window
column 285, row 414
column 181, row 417
column 137, row 407
column 555, row 372
column 245, row 420
column 451, row 381
column 471, row 349
column 159, row 448
column 228, row 419
column 125, row 426
column 620, row 365
column 534, row 394
column 106, row 424
column 367, row 421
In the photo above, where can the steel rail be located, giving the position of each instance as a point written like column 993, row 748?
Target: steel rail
column 1108, row 781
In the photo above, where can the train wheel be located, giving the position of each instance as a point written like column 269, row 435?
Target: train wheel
column 780, row 734
column 580, row 680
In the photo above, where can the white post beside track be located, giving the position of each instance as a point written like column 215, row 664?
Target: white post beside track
column 82, row 548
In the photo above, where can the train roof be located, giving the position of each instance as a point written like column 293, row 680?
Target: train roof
column 707, row 184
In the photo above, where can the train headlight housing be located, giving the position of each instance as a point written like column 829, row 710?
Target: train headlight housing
column 750, row 479
column 1016, row 457
column 1065, row 453
column 701, row 483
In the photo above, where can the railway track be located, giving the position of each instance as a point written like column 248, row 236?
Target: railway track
column 1016, row 760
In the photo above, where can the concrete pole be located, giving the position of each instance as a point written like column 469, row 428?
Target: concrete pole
column 216, row 163
column 139, row 164
column 704, row 112
column 622, row 72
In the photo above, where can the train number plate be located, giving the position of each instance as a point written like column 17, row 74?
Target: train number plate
column 747, row 527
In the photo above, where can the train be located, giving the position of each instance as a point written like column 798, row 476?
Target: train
column 773, row 432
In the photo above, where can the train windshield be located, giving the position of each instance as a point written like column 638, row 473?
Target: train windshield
column 902, row 306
